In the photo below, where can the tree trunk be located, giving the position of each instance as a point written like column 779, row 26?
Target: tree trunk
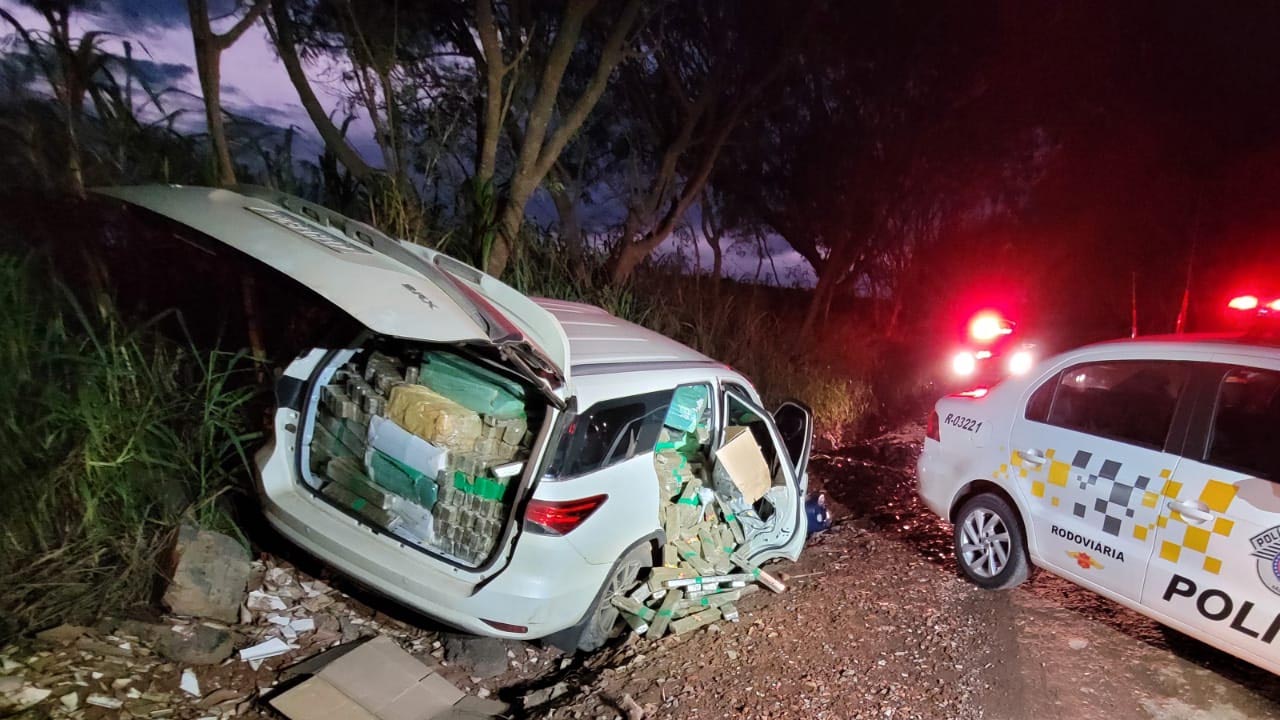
column 209, row 69
column 492, row 112
column 571, row 230
column 627, row 259
column 334, row 139
column 209, row 47
column 508, row 228
column 820, row 300
column 544, row 140
column 75, row 171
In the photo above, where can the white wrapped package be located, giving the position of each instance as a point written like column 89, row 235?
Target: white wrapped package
column 385, row 435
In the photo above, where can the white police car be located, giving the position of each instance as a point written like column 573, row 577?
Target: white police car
column 1146, row 470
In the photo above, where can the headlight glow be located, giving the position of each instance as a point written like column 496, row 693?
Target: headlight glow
column 1020, row 362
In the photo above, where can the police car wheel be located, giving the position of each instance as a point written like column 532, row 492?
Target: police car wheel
column 989, row 544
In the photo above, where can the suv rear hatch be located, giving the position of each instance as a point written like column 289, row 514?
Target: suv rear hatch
column 426, row 443
column 424, row 431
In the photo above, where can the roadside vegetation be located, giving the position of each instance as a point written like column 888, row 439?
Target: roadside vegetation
column 113, row 433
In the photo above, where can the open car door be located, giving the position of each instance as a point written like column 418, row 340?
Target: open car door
column 775, row 526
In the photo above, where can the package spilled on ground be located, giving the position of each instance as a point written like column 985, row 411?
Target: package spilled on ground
column 703, row 575
column 376, row 680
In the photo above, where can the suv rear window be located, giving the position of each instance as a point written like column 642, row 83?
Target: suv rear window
column 1246, row 423
column 1129, row 401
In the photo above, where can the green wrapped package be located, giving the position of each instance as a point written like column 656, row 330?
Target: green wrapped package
column 338, row 437
column 687, row 405
column 483, row 487
column 349, row 473
column 471, row 386
column 395, row 476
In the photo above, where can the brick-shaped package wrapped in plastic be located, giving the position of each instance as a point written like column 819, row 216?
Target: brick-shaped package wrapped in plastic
column 434, row 418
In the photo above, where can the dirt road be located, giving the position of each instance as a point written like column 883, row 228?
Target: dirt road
column 878, row 624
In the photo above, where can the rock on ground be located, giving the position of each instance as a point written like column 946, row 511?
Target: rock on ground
column 210, row 574
column 197, row 644
column 484, row 657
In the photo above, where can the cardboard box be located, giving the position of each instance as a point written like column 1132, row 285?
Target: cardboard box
column 377, row 681
column 743, row 462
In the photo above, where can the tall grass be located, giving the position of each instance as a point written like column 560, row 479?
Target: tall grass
column 113, row 434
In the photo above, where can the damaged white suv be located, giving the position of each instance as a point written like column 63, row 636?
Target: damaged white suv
column 477, row 455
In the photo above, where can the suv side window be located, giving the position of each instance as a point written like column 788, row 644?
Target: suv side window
column 609, row 432
column 1246, row 423
column 1132, row 401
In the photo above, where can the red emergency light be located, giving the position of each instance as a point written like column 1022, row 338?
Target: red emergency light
column 1245, row 302
column 1252, row 304
column 988, row 326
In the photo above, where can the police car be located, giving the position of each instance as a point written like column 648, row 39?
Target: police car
column 1146, row 470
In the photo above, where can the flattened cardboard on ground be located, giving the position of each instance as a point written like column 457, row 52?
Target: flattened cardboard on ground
column 316, row 699
column 743, row 462
column 375, row 681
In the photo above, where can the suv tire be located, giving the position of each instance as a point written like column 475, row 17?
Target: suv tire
column 601, row 621
column 989, row 544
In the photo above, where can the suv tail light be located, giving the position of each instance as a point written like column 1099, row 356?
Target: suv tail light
column 560, row 517
column 931, row 429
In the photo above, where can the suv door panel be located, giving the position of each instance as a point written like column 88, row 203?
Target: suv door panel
column 784, row 533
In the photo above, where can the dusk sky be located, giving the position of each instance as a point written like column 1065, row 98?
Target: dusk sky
column 254, row 84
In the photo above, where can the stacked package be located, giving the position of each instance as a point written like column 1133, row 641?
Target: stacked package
column 424, row 450
column 702, row 575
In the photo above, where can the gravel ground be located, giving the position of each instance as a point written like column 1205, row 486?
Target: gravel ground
column 876, row 623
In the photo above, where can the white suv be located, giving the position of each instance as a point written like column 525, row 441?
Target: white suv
column 534, row 496
column 1146, row 470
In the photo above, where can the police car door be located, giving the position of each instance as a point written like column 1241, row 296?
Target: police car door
column 1088, row 457
column 1217, row 563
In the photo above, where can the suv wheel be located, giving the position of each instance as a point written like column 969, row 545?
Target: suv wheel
column 989, row 544
column 601, row 620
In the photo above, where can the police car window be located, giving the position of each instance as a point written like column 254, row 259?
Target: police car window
column 1129, row 401
column 1040, row 401
column 610, row 432
column 1246, row 423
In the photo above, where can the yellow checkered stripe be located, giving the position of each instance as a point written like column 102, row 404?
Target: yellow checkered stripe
column 1217, row 496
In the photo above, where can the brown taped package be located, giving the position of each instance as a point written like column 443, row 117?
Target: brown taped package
column 434, row 418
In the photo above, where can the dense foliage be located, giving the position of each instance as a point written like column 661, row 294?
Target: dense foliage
column 113, row 433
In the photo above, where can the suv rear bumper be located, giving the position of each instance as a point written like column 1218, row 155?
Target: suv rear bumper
column 548, row 586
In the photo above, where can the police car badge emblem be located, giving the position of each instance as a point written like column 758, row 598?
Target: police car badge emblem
column 1266, row 548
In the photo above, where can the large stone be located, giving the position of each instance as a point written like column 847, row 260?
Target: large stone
column 63, row 634
column 210, row 572
column 484, row 657
column 187, row 644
